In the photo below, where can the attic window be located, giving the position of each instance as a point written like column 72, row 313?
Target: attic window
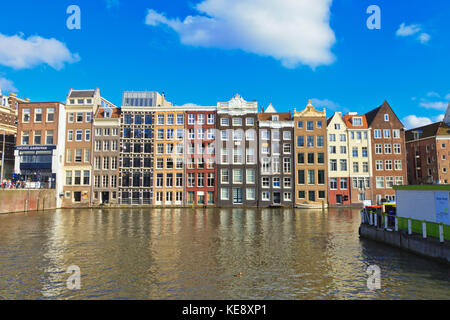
column 417, row 135
column 275, row 118
column 386, row 117
column 357, row 121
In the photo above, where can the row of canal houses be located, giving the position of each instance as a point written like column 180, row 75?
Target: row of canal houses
column 151, row 152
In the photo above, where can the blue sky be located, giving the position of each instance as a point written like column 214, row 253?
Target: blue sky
column 279, row 51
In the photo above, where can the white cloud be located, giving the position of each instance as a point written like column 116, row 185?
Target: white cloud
column 424, row 37
column 19, row 53
column 439, row 118
column 437, row 105
column 404, row 30
column 412, row 29
column 293, row 31
column 325, row 103
column 7, row 86
column 413, row 121
column 447, row 97
column 433, row 94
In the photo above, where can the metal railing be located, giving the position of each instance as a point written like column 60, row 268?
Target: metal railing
column 412, row 226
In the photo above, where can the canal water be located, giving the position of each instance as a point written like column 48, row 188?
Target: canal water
column 195, row 253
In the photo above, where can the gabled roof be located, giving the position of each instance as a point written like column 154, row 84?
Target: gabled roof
column 282, row 116
column 270, row 109
column 430, row 130
column 349, row 122
column 82, row 94
column 371, row 115
column 101, row 113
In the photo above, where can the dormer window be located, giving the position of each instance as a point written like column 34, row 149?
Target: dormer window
column 275, row 118
column 80, row 101
column 72, row 101
column 386, row 117
column 357, row 121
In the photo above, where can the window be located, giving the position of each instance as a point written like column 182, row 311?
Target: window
column 389, row 182
column 396, row 133
column 399, row 181
column 301, row 177
column 68, row 178
column 86, row 177
column 224, row 176
column 237, row 135
column 388, row 165
column 224, row 122
column 210, row 118
column 79, row 116
column 310, row 125
column 50, row 114
column 38, row 115
column 88, row 117
column 342, row 137
column 387, row 149
column 78, row 155
column 265, row 182
column 397, row 148
column 26, row 115
column 224, row 156
column 320, row 158
column 265, row 196
column 87, row 135
column 332, row 137
column 355, row 167
column 380, row 182
column 311, row 177
column 249, row 122
column 77, row 180
column 398, row 164
column 300, row 124
column 276, row 182
column 170, row 119
column 69, row 155
column 365, row 167
column 160, row 119
column 357, row 121
column 310, row 141
column 386, row 117
column 276, row 135
column 319, row 141
column 275, row 118
column 287, row 182
column 386, row 133
column 343, row 164
column 378, row 149
column 364, row 152
column 237, row 156
column 344, row 183
column 287, row 165
column 301, row 194
column 49, row 137
column 237, row 195
column 310, row 158
column 237, row 122
column 355, row 152
column 379, row 165
column 286, row 135
column 333, row 183
column 377, row 134
column 333, row 165
column 37, row 137
column 250, row 193
column 250, row 156
column 180, row 119
column 87, row 157
column 237, row 176
column 300, row 141
column 265, row 135
column 343, row 150
column 321, row 176
column 224, row 194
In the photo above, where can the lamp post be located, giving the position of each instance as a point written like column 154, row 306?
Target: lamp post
column 3, row 156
